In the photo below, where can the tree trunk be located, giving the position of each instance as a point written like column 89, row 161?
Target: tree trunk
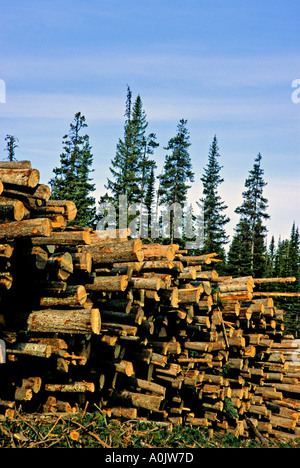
column 80, row 321
column 157, row 251
column 66, row 238
column 68, row 206
column 26, row 228
column 73, row 296
column 11, row 209
column 30, row 349
column 74, row 387
column 23, row 177
column 127, row 251
column 108, row 283
column 138, row 400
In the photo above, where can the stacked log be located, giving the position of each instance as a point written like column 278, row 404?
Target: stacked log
column 143, row 331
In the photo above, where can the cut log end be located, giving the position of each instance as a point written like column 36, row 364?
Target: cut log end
column 96, row 321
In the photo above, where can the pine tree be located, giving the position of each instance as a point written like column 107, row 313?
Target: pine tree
column 214, row 220
column 72, row 179
column 176, row 174
column 253, row 212
column 11, row 145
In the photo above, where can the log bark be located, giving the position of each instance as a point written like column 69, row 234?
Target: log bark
column 31, row 197
column 79, row 321
column 123, row 412
column 11, row 209
column 145, row 283
column 28, row 228
column 30, row 349
column 128, row 251
column 138, row 400
column 82, row 261
column 65, row 238
column 73, row 296
column 121, row 329
column 24, row 164
column 68, row 206
column 24, row 177
column 189, row 296
column 134, row 317
column 198, row 260
column 145, row 385
column 288, row 279
column 108, row 283
column 157, row 265
column 158, row 251
column 165, row 279
column 74, row 387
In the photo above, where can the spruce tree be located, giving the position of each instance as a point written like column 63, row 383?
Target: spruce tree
column 287, row 263
column 124, row 165
column 213, row 207
column 11, row 145
column 147, row 167
column 253, row 213
column 238, row 257
column 177, row 173
column 270, row 259
column 72, row 179
column 132, row 168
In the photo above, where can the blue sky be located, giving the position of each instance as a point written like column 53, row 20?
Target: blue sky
column 225, row 67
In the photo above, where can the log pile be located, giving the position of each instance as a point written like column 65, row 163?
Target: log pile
column 142, row 331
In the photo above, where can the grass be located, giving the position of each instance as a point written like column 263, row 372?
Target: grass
column 95, row 431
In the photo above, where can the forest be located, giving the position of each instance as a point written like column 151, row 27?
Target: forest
column 134, row 174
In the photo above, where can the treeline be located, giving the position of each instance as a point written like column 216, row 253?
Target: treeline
column 148, row 191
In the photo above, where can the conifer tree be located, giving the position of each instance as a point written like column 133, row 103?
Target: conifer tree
column 124, row 165
column 253, row 212
column 72, row 179
column 270, row 259
column 238, row 257
column 287, row 263
column 147, row 167
column 177, row 173
column 214, row 219
column 11, row 145
column 132, row 168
